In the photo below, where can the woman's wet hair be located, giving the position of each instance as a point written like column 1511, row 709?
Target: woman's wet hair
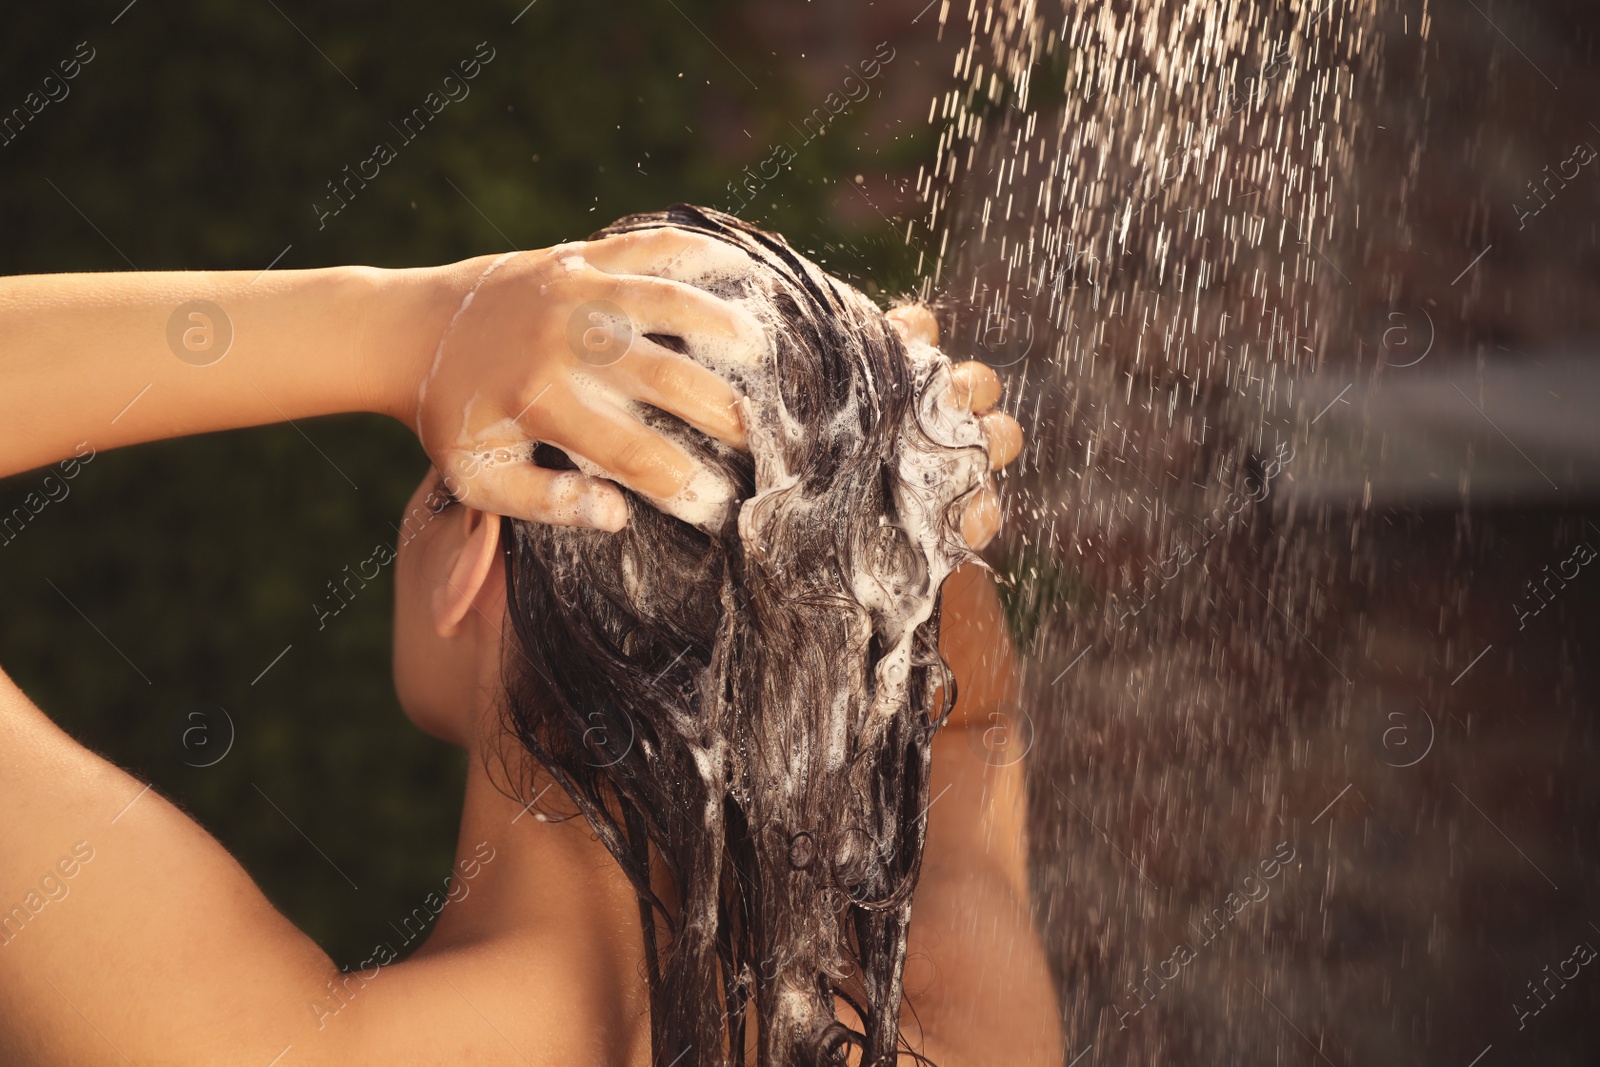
column 748, row 704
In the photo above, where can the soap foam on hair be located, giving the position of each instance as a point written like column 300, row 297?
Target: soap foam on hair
column 777, row 673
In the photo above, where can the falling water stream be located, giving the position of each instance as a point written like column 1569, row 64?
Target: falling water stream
column 1154, row 218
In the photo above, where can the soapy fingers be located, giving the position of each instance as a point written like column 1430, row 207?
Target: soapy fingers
column 976, row 388
column 552, row 346
column 672, row 382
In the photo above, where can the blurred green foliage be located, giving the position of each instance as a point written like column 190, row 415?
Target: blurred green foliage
column 199, row 136
column 1034, row 587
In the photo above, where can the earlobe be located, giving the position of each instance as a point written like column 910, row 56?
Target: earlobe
column 470, row 568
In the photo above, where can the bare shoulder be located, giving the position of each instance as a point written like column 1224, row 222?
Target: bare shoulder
column 130, row 935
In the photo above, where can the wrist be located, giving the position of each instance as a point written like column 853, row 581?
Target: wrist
column 408, row 312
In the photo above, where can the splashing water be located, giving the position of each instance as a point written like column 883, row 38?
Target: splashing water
column 1143, row 210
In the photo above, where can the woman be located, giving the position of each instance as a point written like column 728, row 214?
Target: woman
column 591, row 929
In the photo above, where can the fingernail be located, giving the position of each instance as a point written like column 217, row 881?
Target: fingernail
column 1004, row 437
column 740, row 438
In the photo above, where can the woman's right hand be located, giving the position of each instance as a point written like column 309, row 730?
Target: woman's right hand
column 548, row 346
column 974, row 387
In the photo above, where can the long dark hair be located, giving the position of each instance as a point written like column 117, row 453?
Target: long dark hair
column 752, row 700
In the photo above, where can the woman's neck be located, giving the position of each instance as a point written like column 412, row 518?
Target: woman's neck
column 518, row 871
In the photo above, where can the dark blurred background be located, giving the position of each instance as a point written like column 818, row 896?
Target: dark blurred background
column 148, row 602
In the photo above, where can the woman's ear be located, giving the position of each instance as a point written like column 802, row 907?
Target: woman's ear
column 471, row 564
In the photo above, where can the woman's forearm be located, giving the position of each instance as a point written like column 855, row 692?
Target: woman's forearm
column 554, row 347
column 115, row 359
column 977, row 981
column 978, row 985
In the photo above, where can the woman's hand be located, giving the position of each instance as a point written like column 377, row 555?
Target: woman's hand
column 976, row 388
column 550, row 345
